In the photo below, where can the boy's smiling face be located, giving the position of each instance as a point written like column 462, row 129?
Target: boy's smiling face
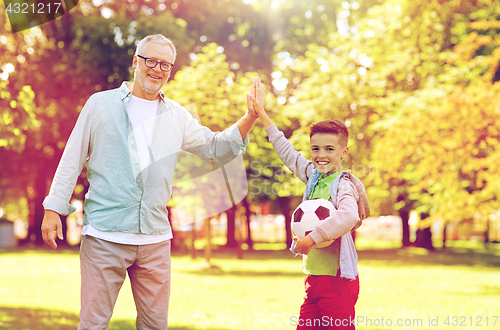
column 327, row 153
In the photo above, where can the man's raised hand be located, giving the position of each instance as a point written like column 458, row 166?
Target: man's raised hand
column 256, row 102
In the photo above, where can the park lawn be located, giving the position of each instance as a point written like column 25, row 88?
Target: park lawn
column 40, row 290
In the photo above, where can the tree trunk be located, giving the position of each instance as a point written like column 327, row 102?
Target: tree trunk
column 424, row 235
column 239, row 233
column 40, row 191
column 445, row 226
column 404, row 214
column 487, row 233
column 193, row 239
column 208, row 236
column 231, row 224
column 31, row 221
column 424, row 238
column 248, row 214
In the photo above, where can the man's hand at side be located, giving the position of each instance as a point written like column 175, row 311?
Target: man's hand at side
column 51, row 228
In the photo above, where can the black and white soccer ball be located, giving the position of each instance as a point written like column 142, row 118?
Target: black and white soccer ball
column 308, row 215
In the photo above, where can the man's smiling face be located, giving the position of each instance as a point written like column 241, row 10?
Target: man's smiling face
column 149, row 81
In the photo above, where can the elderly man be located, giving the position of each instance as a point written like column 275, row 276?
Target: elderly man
column 130, row 138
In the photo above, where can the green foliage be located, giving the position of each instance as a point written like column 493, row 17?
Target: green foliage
column 448, row 153
column 216, row 92
column 403, row 75
column 217, row 96
column 21, row 118
column 47, row 74
column 437, row 148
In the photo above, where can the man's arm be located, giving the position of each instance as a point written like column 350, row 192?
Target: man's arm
column 203, row 142
column 68, row 170
column 245, row 124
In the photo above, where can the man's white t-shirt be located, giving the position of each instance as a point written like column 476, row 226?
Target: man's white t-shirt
column 142, row 115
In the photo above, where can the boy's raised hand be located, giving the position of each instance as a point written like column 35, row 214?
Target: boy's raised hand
column 257, row 97
column 255, row 101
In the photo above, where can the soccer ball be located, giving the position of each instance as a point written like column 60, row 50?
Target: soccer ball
column 308, row 215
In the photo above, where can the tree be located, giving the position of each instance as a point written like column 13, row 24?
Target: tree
column 39, row 117
column 218, row 102
column 446, row 139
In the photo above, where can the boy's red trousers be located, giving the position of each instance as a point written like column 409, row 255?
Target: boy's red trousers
column 328, row 303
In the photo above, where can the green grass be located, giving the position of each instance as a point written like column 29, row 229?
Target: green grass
column 39, row 289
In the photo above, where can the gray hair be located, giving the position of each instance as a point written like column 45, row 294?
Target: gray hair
column 158, row 38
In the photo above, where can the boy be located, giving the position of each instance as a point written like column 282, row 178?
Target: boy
column 332, row 286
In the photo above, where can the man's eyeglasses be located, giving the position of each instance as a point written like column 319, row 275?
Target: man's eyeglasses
column 152, row 63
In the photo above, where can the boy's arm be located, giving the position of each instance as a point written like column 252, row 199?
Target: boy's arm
column 344, row 219
column 300, row 166
column 353, row 207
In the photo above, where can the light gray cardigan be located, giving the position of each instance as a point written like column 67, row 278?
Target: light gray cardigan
column 348, row 196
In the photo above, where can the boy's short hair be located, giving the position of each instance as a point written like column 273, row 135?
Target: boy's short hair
column 332, row 127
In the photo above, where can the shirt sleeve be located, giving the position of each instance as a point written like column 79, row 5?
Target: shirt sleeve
column 297, row 163
column 202, row 141
column 344, row 218
column 70, row 166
